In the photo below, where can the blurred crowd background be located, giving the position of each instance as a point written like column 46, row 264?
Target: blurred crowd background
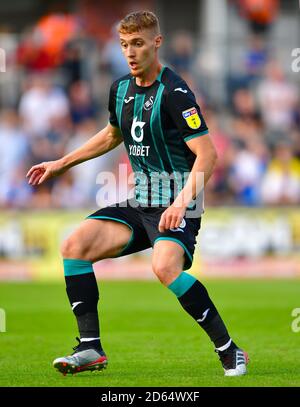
column 236, row 55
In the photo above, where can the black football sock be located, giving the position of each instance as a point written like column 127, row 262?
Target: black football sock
column 83, row 294
column 194, row 298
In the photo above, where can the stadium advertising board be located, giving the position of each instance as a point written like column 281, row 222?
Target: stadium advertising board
column 232, row 243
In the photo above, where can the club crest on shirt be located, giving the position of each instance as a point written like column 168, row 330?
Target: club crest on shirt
column 192, row 118
column 149, row 104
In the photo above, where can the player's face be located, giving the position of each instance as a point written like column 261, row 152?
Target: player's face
column 140, row 50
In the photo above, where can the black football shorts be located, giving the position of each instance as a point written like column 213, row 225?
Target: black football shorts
column 143, row 222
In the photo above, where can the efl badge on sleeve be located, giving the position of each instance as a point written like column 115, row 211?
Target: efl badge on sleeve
column 192, row 118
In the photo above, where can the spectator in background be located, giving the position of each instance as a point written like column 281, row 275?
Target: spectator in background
column 18, row 195
column 260, row 14
column 244, row 105
column 50, row 146
column 41, row 149
column 41, row 46
column 55, row 30
column 256, row 58
column 40, row 103
column 31, row 54
column 247, row 168
column 181, row 55
column 281, row 183
column 294, row 137
column 60, row 131
column 14, row 149
column 216, row 191
column 250, row 73
column 278, row 101
column 78, row 60
column 71, row 69
column 296, row 116
column 84, row 176
column 112, row 56
column 65, row 194
column 82, row 106
column 243, row 130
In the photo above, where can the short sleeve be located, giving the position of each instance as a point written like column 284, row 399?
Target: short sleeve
column 185, row 112
column 112, row 106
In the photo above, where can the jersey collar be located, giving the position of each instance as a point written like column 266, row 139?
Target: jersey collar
column 144, row 88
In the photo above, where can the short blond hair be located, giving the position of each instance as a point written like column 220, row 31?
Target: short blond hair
column 138, row 21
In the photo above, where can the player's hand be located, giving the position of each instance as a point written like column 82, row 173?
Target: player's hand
column 42, row 172
column 171, row 218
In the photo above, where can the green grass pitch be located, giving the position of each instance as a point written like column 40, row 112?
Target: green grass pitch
column 149, row 339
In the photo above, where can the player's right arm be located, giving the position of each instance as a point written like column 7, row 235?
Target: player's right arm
column 104, row 141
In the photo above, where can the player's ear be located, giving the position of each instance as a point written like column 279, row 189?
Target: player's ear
column 158, row 41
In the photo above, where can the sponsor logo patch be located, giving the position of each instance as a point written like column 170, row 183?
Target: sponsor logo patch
column 137, row 131
column 192, row 118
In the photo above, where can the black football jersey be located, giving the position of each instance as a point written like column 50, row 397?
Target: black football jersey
column 156, row 121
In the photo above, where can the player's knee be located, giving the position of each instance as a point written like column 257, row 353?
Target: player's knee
column 165, row 272
column 71, row 249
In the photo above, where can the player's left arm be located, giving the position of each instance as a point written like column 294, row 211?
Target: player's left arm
column 183, row 109
column 206, row 157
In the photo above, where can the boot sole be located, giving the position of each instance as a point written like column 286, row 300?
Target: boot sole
column 67, row 368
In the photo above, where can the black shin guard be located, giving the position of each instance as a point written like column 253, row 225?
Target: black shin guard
column 83, row 295
column 198, row 304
